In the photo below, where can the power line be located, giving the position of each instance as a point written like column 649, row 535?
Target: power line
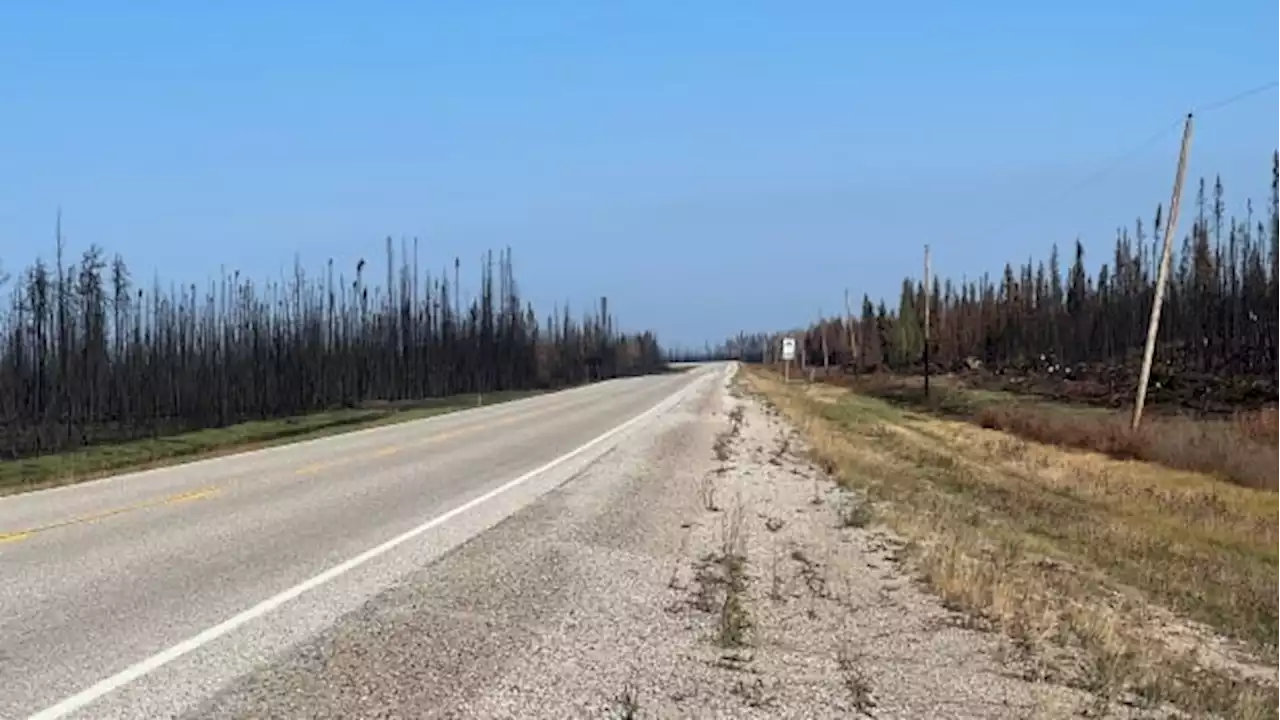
column 1142, row 146
column 1096, row 175
column 1138, row 149
column 1237, row 97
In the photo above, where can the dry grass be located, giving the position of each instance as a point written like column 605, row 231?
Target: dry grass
column 1126, row 578
column 856, row 681
column 735, row 622
column 854, row 512
column 1241, row 449
column 627, row 703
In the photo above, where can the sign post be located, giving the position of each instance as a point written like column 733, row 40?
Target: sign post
column 788, row 354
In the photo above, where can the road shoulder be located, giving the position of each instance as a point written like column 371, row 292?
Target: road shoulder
column 702, row 568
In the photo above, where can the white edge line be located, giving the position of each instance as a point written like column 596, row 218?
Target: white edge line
column 164, row 657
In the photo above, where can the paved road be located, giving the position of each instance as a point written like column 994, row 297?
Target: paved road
column 141, row 595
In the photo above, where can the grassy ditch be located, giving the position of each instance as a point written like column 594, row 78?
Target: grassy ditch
column 1126, row 578
column 1241, row 448
column 106, row 459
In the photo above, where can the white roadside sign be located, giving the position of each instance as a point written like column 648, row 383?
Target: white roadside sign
column 788, row 348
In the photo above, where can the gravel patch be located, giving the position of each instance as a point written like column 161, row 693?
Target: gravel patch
column 701, row 569
column 839, row 627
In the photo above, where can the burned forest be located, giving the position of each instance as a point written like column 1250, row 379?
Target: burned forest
column 1082, row 329
column 89, row 356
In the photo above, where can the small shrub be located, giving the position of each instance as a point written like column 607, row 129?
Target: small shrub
column 1241, row 450
column 627, row 704
column 856, row 682
column 855, row 513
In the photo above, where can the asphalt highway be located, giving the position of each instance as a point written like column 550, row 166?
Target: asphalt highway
column 140, row 595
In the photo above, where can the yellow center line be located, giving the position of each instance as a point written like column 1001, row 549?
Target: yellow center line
column 193, row 495
column 314, row 468
column 94, row 517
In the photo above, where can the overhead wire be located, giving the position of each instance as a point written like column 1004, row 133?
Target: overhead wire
column 1094, row 176
column 1120, row 160
column 1231, row 100
column 1141, row 147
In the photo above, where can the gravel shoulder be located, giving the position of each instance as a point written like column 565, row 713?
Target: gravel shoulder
column 703, row 568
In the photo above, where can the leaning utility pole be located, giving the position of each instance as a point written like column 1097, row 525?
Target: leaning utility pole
column 926, row 321
column 1144, row 376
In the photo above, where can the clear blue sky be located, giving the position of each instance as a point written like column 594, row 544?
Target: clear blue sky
column 711, row 166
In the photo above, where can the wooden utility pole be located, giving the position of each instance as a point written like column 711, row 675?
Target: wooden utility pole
column 848, row 325
column 1144, row 376
column 786, row 365
column 926, row 321
column 826, row 355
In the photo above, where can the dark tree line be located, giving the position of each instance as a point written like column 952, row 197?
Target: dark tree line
column 731, row 349
column 1220, row 313
column 87, row 356
column 747, row 347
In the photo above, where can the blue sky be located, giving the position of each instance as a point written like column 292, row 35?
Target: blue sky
column 711, row 166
